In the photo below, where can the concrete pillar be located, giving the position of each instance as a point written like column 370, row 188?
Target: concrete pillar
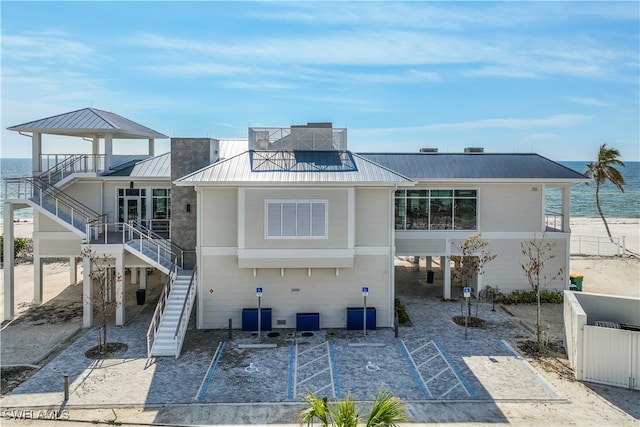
column 143, row 278
column 134, row 275
column 108, row 150
column 8, row 262
column 73, row 271
column 428, row 264
column 152, row 147
column 36, row 151
column 566, row 209
column 446, row 285
column 120, row 281
column 95, row 145
column 38, row 288
column 87, row 293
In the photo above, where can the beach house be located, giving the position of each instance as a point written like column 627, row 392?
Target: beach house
column 287, row 218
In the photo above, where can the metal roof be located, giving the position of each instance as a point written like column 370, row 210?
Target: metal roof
column 478, row 166
column 153, row 167
column 237, row 169
column 158, row 166
column 89, row 122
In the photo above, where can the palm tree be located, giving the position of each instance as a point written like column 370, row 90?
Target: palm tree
column 386, row 411
column 603, row 170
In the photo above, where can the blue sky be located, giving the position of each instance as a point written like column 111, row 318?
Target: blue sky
column 556, row 78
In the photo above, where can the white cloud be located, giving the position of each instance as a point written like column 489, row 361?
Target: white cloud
column 592, row 102
column 559, row 120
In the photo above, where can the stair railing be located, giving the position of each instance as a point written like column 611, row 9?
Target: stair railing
column 54, row 201
column 70, row 164
column 159, row 311
column 175, row 249
column 185, row 313
column 162, row 248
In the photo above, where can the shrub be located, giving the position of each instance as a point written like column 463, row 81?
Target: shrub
column 529, row 297
column 20, row 245
column 401, row 312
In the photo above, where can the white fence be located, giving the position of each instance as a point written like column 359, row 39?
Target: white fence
column 599, row 246
column 602, row 354
column 611, row 356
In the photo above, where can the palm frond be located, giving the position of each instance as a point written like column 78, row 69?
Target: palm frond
column 345, row 413
column 386, row 411
column 316, row 409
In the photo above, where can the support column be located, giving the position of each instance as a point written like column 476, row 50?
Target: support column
column 9, row 261
column 428, row 266
column 134, row 275
column 566, row 209
column 108, row 150
column 120, row 281
column 73, row 271
column 87, row 293
column 143, row 278
column 38, row 288
column 36, row 151
column 95, row 146
column 447, row 275
column 152, row 147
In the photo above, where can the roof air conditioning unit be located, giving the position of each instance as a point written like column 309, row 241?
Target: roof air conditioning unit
column 474, row 150
column 428, row 150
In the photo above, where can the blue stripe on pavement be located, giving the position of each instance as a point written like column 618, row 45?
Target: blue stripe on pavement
column 413, row 368
column 461, row 377
column 211, row 372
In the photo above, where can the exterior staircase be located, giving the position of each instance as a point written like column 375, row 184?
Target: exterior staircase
column 169, row 323
column 171, row 318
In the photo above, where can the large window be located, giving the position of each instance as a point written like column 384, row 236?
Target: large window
column 148, row 207
column 436, row 209
column 300, row 218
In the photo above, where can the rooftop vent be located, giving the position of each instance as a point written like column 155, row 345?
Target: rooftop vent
column 474, row 150
column 428, row 150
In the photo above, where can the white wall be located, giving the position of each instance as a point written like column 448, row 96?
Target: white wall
column 328, row 291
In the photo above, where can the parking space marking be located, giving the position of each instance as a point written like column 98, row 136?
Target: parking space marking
column 206, row 381
column 316, row 362
column 431, row 361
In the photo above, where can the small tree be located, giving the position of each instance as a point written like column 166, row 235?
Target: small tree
column 472, row 259
column 386, row 410
column 102, row 300
column 539, row 252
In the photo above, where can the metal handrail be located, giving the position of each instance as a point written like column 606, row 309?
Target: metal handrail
column 162, row 302
column 163, row 248
column 553, row 221
column 183, row 321
column 38, row 191
column 157, row 237
column 71, row 163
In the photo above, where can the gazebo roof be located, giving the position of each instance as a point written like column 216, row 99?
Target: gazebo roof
column 89, row 122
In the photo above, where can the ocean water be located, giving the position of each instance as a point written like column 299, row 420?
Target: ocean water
column 615, row 204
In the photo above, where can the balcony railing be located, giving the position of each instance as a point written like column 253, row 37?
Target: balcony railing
column 554, row 221
column 59, row 166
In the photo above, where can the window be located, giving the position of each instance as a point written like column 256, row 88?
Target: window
column 291, row 219
column 436, row 209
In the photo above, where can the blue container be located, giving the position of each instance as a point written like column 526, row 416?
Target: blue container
column 355, row 318
column 307, row 321
column 250, row 319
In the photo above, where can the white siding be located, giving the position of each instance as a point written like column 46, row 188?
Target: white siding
column 295, row 292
